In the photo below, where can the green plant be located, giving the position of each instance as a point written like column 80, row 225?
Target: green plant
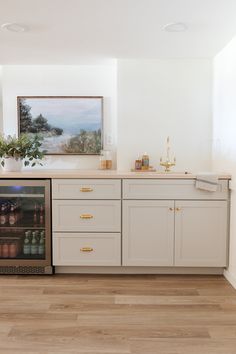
column 24, row 148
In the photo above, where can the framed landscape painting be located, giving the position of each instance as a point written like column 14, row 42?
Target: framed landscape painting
column 67, row 124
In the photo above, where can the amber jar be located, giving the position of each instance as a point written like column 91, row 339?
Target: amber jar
column 105, row 160
column 108, row 159
column 138, row 164
column 145, row 161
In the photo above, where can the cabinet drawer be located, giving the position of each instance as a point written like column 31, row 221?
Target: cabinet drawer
column 170, row 189
column 87, row 215
column 87, row 249
column 86, row 189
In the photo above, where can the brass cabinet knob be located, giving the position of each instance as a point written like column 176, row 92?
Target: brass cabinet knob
column 176, row 209
column 86, row 189
column 86, row 216
column 86, row 249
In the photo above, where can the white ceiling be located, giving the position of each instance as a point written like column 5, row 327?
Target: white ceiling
column 74, row 31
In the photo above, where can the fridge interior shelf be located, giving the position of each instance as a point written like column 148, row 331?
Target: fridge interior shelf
column 25, row 222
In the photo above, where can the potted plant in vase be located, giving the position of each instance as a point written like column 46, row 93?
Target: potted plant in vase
column 14, row 152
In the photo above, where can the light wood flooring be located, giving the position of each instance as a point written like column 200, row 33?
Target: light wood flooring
column 117, row 314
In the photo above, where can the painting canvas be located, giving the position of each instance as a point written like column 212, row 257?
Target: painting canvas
column 68, row 125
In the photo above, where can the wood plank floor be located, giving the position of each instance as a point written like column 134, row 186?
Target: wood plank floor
column 117, row 314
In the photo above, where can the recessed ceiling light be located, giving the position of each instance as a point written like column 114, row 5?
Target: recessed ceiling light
column 13, row 27
column 175, row 27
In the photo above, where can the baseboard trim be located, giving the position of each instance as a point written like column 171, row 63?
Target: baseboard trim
column 138, row 270
column 230, row 277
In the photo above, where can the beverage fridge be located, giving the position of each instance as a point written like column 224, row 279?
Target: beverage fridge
column 25, row 226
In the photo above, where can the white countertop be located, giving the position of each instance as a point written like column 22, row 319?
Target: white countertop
column 34, row 173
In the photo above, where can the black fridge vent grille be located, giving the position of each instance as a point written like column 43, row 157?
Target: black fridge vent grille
column 22, row 270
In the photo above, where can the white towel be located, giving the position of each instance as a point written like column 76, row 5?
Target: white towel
column 207, row 182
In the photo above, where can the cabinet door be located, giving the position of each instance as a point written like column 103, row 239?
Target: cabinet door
column 148, row 233
column 201, row 233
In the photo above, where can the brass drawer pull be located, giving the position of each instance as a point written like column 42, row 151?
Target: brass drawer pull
column 86, row 249
column 86, row 189
column 86, row 216
column 178, row 209
column 171, row 209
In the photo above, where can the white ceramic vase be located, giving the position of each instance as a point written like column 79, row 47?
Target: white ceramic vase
column 12, row 165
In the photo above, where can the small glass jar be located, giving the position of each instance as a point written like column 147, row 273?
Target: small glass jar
column 106, row 160
column 102, row 161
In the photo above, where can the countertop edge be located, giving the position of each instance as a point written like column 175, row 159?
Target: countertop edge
column 98, row 174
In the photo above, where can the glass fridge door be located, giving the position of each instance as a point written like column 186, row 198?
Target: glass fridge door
column 24, row 222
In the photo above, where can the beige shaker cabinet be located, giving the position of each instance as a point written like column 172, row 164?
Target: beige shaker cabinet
column 175, row 233
column 86, row 222
column 86, row 215
column 139, row 223
column 86, row 189
column 148, row 233
column 171, row 223
column 88, row 249
column 201, row 233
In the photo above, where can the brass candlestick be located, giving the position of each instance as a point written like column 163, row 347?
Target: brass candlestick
column 168, row 163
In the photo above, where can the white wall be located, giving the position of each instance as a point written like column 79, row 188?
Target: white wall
column 157, row 98
column 83, row 80
column 224, row 133
column 1, row 119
